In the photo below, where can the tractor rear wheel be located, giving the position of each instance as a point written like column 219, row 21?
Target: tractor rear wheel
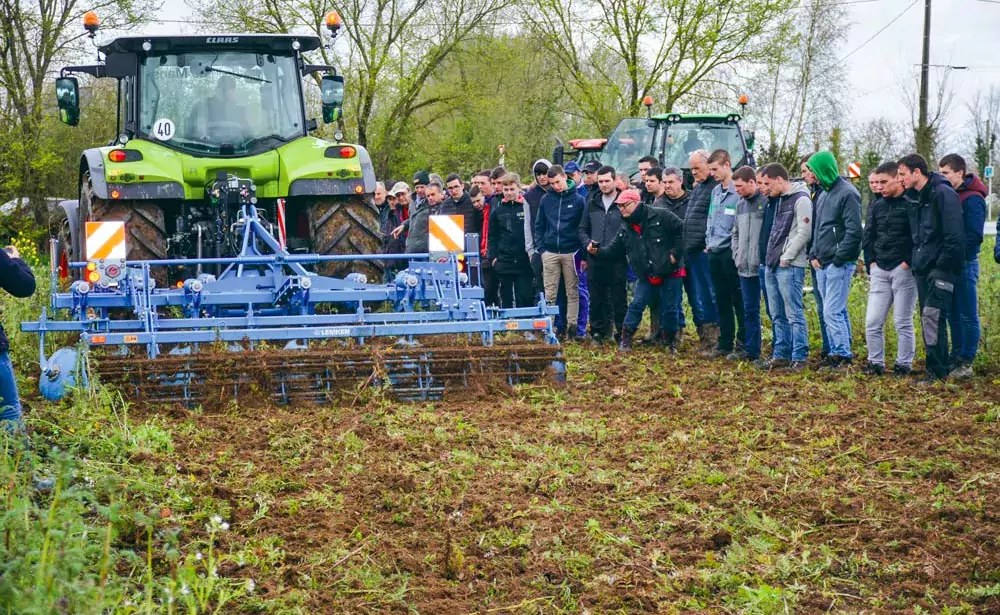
column 346, row 225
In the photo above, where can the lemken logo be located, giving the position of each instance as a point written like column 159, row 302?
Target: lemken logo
column 222, row 40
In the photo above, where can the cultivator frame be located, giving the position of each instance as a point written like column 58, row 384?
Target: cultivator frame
column 300, row 335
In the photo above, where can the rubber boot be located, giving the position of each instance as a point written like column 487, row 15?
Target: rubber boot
column 626, row 342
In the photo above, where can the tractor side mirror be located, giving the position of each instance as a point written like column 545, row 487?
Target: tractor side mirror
column 751, row 139
column 332, row 95
column 68, row 99
column 558, row 152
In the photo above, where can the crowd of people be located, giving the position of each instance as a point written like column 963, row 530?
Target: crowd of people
column 738, row 240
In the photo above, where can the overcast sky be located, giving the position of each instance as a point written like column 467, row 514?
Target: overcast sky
column 963, row 33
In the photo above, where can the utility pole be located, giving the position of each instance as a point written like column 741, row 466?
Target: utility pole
column 989, row 180
column 923, row 136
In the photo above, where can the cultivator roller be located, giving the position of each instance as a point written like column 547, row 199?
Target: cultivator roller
column 265, row 325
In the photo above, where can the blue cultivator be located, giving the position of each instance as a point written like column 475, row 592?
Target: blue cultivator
column 265, row 325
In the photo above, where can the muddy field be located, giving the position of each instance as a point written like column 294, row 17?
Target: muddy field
column 648, row 484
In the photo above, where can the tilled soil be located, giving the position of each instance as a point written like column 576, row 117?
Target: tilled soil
column 647, row 484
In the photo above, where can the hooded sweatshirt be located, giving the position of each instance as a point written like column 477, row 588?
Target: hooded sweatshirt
column 972, row 192
column 837, row 237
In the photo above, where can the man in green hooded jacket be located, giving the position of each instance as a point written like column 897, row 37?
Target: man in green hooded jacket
column 834, row 252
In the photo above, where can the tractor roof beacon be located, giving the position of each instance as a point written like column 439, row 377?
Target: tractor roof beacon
column 194, row 110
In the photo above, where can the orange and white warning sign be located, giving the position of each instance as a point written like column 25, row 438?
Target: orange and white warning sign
column 447, row 234
column 105, row 240
column 854, row 170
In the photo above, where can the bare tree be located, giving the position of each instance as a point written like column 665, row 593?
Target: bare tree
column 36, row 36
column 613, row 53
column 395, row 47
column 927, row 139
column 984, row 111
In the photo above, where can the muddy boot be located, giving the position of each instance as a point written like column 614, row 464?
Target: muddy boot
column 703, row 338
column 712, row 333
column 626, row 342
column 671, row 338
column 668, row 340
column 678, row 338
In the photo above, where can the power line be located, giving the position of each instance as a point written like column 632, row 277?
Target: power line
column 880, row 30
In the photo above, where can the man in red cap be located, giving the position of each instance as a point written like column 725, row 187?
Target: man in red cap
column 653, row 241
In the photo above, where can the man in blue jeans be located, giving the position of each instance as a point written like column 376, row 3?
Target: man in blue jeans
column 964, row 318
column 706, row 316
column 17, row 279
column 652, row 239
column 750, row 211
column 834, row 254
column 814, row 191
column 785, row 268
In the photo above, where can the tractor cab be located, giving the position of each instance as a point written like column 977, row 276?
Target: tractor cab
column 216, row 96
column 672, row 137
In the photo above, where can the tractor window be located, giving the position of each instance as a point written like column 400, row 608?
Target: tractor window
column 631, row 140
column 230, row 103
column 685, row 137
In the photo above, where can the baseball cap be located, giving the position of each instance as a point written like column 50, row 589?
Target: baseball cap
column 627, row 196
column 592, row 167
column 572, row 167
column 399, row 188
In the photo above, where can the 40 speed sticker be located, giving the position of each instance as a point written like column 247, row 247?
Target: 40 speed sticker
column 163, row 129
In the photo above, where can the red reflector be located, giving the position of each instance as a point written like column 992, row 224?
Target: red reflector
column 541, row 324
column 98, row 339
column 117, row 155
column 63, row 265
column 347, row 152
column 113, row 271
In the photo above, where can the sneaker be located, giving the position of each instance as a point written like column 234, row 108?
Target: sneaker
column 796, row 366
column 715, row 353
column 901, row 371
column 961, row 372
column 775, row 363
column 873, row 369
column 737, row 355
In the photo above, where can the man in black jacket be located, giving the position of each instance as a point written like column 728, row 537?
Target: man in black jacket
column 706, row 316
column 600, row 223
column 17, row 279
column 938, row 256
column 506, row 250
column 459, row 204
column 887, row 243
column 653, row 241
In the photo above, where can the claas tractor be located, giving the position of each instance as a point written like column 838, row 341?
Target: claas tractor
column 195, row 110
column 218, row 249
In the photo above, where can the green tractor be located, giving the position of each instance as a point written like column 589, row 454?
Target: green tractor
column 671, row 137
column 204, row 122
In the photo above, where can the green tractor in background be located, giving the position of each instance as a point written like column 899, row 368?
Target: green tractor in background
column 204, row 121
column 671, row 137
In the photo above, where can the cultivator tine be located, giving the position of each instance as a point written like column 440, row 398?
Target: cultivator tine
column 322, row 374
